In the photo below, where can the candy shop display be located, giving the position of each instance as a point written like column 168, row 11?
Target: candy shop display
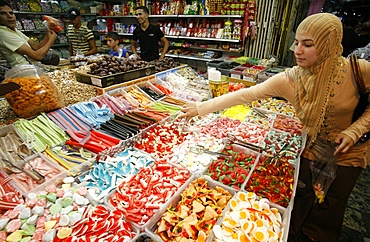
column 233, row 167
column 10, row 196
column 161, row 139
column 33, row 172
column 273, row 179
column 34, row 5
column 122, row 166
column 27, row 24
column 22, row 6
column 288, row 124
column 197, row 152
column 249, row 218
column 105, row 176
column 275, row 105
column 45, row 6
column 251, row 133
column 145, row 193
column 193, row 213
column 236, row 112
column 221, row 127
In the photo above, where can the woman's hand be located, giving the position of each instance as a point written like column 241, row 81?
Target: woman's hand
column 189, row 110
column 344, row 143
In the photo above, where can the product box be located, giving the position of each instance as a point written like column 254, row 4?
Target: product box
column 105, row 81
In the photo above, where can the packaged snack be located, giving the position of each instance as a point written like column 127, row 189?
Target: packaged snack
column 52, row 23
column 37, row 93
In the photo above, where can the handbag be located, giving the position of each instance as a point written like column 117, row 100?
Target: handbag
column 363, row 102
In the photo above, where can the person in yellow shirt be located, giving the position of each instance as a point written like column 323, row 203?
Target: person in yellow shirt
column 14, row 45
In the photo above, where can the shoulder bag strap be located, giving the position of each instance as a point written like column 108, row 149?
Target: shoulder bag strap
column 358, row 75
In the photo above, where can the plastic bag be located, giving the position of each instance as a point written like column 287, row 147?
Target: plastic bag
column 37, row 92
column 323, row 168
column 52, row 23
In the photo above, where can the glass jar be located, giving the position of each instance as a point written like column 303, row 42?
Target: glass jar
column 37, row 93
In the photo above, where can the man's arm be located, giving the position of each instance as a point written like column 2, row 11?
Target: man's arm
column 38, row 54
column 36, row 46
column 165, row 47
column 93, row 48
column 133, row 47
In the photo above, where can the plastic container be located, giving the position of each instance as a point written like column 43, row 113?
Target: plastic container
column 37, row 93
column 150, row 229
column 237, row 72
column 219, row 88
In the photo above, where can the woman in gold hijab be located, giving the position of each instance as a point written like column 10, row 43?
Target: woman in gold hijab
column 323, row 91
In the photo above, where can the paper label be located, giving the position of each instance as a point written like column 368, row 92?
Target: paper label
column 96, row 81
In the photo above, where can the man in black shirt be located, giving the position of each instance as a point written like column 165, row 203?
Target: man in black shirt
column 148, row 36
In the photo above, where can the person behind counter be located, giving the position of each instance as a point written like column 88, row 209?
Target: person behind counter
column 323, row 91
column 80, row 36
column 148, row 35
column 15, row 46
column 112, row 39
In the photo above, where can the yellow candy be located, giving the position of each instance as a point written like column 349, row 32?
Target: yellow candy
column 50, row 224
column 237, row 112
column 15, row 236
column 64, row 233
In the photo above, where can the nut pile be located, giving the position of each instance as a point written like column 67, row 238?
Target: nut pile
column 7, row 116
column 72, row 91
column 109, row 65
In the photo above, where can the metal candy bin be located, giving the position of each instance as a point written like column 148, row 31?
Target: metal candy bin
column 162, row 207
column 284, row 213
column 175, row 199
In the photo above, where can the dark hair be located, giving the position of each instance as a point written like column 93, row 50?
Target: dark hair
column 113, row 35
column 145, row 9
column 4, row 3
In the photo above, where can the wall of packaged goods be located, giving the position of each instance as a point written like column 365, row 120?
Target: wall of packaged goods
column 122, row 159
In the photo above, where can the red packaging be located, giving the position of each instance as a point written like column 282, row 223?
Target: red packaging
column 52, row 23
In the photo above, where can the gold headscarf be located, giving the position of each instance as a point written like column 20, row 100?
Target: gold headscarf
column 314, row 84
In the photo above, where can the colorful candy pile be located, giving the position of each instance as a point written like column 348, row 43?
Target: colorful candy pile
column 232, row 170
column 50, row 214
column 220, row 127
column 161, row 139
column 287, row 124
column 197, row 210
column 106, row 175
column 273, row 180
column 145, row 192
column 249, row 219
column 237, row 112
column 191, row 155
column 275, row 105
column 250, row 133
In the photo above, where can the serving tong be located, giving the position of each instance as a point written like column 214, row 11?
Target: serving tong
column 199, row 149
column 279, row 155
column 235, row 140
column 260, row 113
column 35, row 175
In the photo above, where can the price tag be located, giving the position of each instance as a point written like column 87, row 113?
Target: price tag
column 96, row 81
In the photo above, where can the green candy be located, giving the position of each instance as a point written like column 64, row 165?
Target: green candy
column 52, row 197
column 29, row 230
column 55, row 208
column 26, row 239
column 67, row 202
